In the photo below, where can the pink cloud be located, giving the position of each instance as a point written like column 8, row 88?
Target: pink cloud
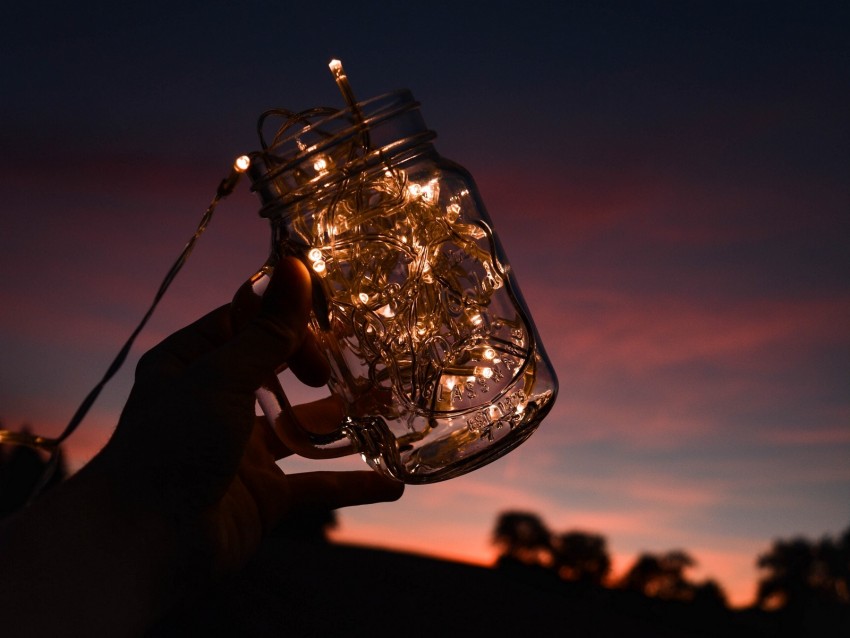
column 568, row 204
column 835, row 431
column 604, row 329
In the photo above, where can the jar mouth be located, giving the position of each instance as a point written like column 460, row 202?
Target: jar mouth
column 315, row 149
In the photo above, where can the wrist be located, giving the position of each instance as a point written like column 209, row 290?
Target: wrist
column 133, row 560
column 149, row 511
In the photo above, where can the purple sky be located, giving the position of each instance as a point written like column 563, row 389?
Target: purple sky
column 670, row 184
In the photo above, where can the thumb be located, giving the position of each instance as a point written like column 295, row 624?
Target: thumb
column 266, row 342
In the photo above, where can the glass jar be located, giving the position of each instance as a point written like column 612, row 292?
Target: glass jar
column 431, row 347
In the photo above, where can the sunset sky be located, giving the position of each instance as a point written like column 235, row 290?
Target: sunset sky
column 671, row 182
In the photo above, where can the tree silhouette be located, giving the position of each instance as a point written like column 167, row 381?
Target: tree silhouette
column 836, row 560
column 789, row 565
column 663, row 576
column 798, row 571
column 523, row 537
column 709, row 594
column 581, row 557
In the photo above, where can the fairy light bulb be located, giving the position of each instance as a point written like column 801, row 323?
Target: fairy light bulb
column 320, row 165
column 452, row 212
column 484, row 372
column 315, row 255
column 336, row 68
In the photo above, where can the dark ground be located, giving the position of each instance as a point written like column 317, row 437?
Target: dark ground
column 308, row 588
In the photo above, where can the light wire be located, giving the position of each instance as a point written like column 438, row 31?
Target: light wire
column 52, row 445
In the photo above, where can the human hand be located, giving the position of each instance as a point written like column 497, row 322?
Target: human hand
column 190, row 446
column 186, row 486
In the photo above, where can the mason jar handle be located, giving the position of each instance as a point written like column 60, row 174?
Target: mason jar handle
column 295, row 436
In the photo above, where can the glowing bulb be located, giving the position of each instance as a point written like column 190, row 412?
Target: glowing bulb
column 477, row 320
column 320, row 165
column 315, row 255
column 364, row 298
column 415, row 190
column 242, row 163
column 452, row 212
column 489, row 353
column 427, row 276
column 484, row 372
column 428, row 191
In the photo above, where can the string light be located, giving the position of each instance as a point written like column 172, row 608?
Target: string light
column 412, row 305
column 342, row 82
column 53, row 445
column 422, row 287
column 320, row 165
column 242, row 163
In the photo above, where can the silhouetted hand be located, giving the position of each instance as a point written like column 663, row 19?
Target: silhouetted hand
column 188, row 438
column 186, row 486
